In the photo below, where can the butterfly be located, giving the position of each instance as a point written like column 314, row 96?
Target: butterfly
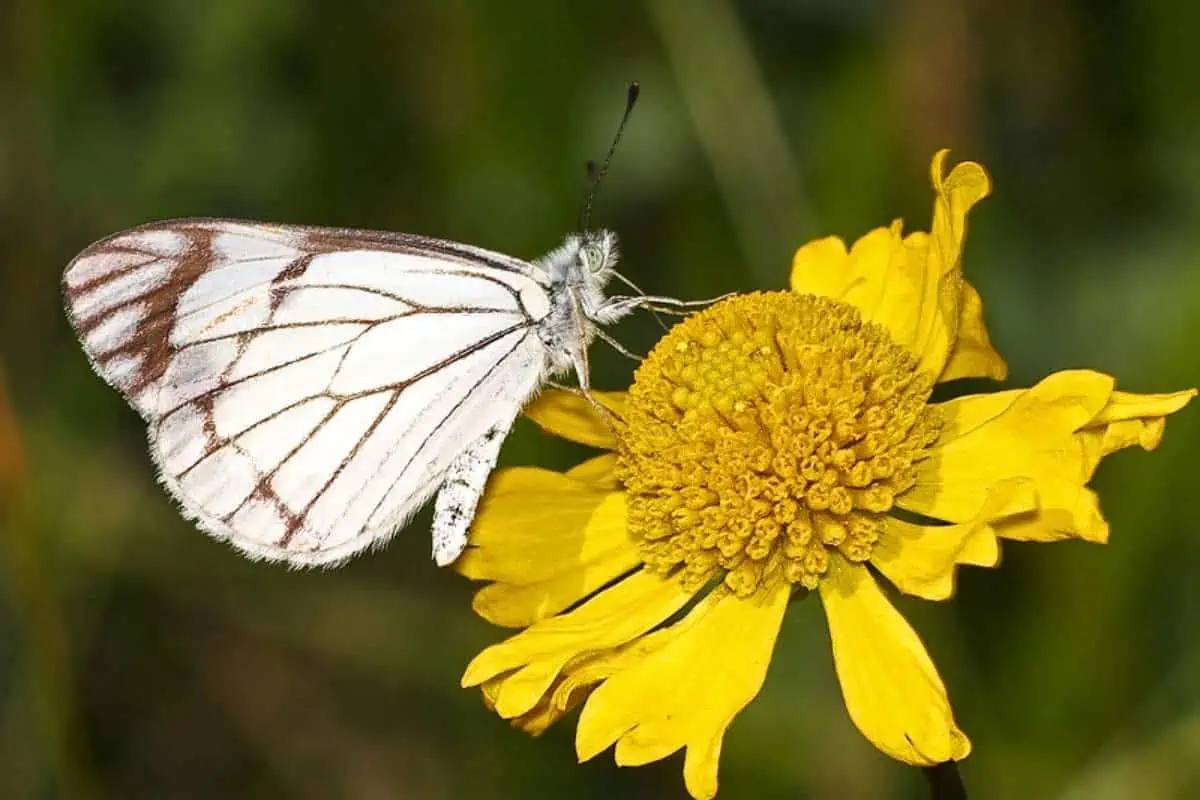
column 306, row 390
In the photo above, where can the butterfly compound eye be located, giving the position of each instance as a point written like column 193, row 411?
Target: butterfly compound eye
column 592, row 257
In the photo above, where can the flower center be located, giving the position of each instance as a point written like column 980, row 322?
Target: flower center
column 764, row 433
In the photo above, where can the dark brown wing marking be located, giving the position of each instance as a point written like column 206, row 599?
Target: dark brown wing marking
column 149, row 341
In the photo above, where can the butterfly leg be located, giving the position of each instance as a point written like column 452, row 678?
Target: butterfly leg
column 454, row 508
column 584, row 390
column 615, row 345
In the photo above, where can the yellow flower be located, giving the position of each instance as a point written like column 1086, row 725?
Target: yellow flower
column 774, row 444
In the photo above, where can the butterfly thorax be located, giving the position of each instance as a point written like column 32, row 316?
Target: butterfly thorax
column 576, row 273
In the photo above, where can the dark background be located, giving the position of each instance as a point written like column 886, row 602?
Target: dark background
column 140, row 659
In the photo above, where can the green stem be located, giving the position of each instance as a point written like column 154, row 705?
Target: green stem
column 945, row 783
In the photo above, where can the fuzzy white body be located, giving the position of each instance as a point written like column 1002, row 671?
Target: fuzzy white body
column 307, row 390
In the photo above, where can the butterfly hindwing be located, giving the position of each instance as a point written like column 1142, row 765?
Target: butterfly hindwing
column 457, row 500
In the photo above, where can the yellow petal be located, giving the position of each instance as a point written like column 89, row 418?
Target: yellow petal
column 685, row 690
column 599, row 471
column 921, row 559
column 913, row 285
column 535, row 523
column 820, row 267
column 1131, row 406
column 863, row 277
column 1131, row 419
column 535, row 721
column 537, row 655
column 547, row 540
column 1032, row 439
column 571, row 416
column 935, row 262
column 1053, row 435
column 1127, row 420
column 575, row 682
column 516, row 606
column 891, row 688
column 972, row 355
column 964, row 417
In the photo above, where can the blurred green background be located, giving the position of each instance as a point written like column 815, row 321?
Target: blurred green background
column 140, row 659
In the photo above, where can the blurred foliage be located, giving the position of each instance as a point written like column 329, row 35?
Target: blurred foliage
column 140, row 659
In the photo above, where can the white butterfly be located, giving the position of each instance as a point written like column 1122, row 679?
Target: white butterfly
column 308, row 389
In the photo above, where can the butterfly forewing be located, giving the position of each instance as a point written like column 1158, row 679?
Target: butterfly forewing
column 307, row 389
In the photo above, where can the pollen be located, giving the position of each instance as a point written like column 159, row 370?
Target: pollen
column 765, row 433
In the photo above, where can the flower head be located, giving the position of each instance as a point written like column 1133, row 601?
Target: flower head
column 772, row 445
column 767, row 434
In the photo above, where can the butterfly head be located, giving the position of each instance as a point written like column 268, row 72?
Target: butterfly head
column 578, row 271
column 597, row 254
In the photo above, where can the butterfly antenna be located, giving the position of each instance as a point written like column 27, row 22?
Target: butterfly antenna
column 596, row 174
